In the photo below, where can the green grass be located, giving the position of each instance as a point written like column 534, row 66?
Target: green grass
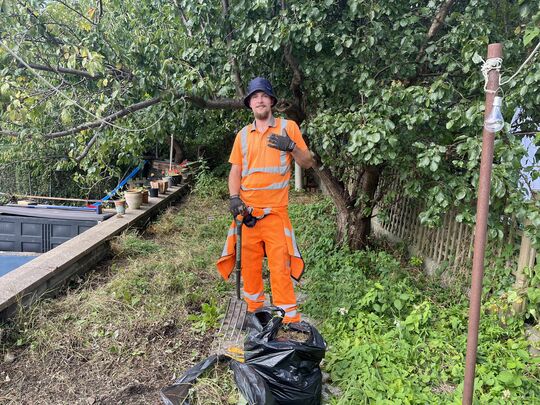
column 395, row 335
column 149, row 313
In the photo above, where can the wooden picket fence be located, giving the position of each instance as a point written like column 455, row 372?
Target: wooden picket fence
column 449, row 245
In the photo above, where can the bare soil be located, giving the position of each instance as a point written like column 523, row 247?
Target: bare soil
column 73, row 372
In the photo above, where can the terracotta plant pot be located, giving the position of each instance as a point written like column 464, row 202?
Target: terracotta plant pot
column 133, row 199
column 120, row 206
column 144, row 194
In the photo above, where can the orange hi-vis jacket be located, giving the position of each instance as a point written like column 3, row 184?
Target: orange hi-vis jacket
column 227, row 260
column 265, row 171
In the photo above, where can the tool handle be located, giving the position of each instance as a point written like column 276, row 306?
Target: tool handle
column 238, row 254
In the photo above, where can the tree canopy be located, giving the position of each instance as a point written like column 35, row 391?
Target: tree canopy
column 388, row 89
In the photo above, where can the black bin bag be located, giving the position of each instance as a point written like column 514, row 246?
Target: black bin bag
column 276, row 370
column 250, row 384
column 290, row 368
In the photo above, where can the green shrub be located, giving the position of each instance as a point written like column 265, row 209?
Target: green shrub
column 395, row 335
column 208, row 185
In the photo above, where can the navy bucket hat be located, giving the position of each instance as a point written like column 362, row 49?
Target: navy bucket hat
column 260, row 84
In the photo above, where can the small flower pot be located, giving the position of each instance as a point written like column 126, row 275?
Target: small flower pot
column 120, row 206
column 154, row 191
column 133, row 199
column 144, row 194
column 163, row 185
column 176, row 179
column 169, row 180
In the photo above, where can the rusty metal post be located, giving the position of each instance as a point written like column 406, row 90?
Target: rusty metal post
column 482, row 209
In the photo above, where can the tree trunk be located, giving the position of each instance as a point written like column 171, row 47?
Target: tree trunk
column 177, row 150
column 353, row 222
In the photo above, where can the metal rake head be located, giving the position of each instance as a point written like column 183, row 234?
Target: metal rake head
column 229, row 339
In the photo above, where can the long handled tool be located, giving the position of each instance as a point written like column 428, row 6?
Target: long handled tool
column 230, row 334
column 238, row 267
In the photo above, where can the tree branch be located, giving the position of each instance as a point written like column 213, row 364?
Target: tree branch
column 335, row 188
column 213, row 104
column 60, row 70
column 117, row 73
column 75, row 11
column 216, row 104
column 183, row 17
column 528, row 133
column 355, row 189
column 297, row 78
column 235, row 69
column 88, row 147
column 436, row 25
column 100, row 13
column 108, row 119
column 290, row 110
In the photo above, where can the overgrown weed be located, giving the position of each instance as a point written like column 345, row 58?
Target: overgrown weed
column 130, row 243
column 208, row 185
column 394, row 334
column 397, row 335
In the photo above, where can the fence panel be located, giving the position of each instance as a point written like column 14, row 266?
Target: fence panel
column 450, row 244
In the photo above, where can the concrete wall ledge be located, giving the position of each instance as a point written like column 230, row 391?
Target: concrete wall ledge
column 46, row 273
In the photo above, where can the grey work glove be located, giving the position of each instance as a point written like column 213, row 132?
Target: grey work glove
column 281, row 142
column 236, row 205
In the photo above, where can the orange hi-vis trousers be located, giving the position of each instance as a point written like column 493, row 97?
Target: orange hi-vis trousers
column 267, row 236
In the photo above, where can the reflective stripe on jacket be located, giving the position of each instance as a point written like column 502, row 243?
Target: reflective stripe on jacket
column 264, row 178
column 226, row 262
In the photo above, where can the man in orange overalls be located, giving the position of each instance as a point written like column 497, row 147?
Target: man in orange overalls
column 259, row 182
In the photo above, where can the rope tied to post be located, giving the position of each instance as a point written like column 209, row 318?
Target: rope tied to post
column 488, row 66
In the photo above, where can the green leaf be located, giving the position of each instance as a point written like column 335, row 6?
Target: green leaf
column 477, row 58
column 530, row 35
column 318, row 47
column 461, row 194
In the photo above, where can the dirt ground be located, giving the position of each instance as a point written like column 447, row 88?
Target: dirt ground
column 74, row 373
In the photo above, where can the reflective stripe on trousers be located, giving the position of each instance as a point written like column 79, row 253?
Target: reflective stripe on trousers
column 268, row 236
